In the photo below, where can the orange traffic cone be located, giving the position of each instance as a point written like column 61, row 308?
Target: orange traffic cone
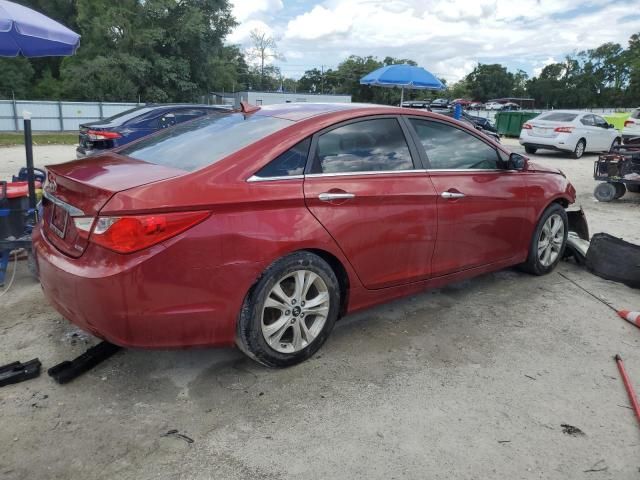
column 631, row 317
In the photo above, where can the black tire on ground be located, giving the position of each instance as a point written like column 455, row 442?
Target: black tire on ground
column 249, row 335
column 620, row 190
column 533, row 264
column 530, row 150
column 578, row 151
column 605, row 192
column 633, row 188
column 616, row 143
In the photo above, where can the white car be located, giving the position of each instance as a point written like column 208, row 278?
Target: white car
column 569, row 131
column 493, row 106
column 631, row 126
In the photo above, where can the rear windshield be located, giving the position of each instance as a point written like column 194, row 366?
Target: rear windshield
column 558, row 117
column 204, row 141
column 127, row 115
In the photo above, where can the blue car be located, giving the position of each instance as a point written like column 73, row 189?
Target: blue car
column 133, row 124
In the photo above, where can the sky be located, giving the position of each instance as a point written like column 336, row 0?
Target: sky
column 447, row 37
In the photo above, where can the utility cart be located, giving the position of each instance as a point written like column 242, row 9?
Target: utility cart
column 618, row 170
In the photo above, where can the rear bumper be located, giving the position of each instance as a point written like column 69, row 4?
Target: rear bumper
column 561, row 142
column 150, row 299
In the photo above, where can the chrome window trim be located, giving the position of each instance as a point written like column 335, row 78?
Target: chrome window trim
column 368, row 172
column 469, row 170
column 255, row 178
column 73, row 211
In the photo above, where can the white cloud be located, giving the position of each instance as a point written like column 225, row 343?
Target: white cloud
column 246, row 9
column 450, row 36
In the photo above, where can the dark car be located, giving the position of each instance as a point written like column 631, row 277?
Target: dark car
column 478, row 123
column 138, row 122
column 440, row 103
column 423, row 104
column 481, row 122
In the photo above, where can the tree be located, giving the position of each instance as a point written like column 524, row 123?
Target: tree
column 490, row 81
column 16, row 77
column 263, row 48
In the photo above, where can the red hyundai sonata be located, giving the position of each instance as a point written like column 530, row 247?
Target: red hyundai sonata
column 262, row 227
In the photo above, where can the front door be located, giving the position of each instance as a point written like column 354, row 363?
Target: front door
column 481, row 205
column 378, row 205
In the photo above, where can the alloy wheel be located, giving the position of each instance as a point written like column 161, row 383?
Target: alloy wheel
column 579, row 149
column 551, row 240
column 295, row 311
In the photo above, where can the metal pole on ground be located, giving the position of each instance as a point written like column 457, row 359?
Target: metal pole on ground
column 28, row 146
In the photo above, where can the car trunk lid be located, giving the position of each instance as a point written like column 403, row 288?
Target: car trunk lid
column 541, row 128
column 76, row 191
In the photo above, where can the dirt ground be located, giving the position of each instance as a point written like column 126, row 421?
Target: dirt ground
column 473, row 381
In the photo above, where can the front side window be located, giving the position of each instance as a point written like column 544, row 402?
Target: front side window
column 369, row 145
column 600, row 122
column 192, row 145
column 291, row 162
column 450, row 148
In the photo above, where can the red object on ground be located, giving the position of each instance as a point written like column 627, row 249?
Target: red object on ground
column 388, row 232
column 19, row 189
column 631, row 317
column 627, row 384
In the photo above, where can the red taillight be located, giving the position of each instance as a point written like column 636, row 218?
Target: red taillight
column 563, row 129
column 132, row 233
column 628, row 123
column 527, row 126
column 102, row 135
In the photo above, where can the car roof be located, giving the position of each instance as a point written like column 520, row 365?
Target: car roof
column 302, row 111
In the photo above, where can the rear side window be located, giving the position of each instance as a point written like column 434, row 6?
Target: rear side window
column 370, row 145
column 204, row 141
column 291, row 162
column 449, row 148
column 587, row 120
column 635, row 113
column 558, row 117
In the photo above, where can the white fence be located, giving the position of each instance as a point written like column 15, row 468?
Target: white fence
column 55, row 116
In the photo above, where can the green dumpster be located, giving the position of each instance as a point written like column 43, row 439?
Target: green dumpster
column 510, row 123
column 617, row 119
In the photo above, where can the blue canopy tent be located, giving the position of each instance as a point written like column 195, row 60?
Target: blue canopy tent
column 31, row 34
column 403, row 76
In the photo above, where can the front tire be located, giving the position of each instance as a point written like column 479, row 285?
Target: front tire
column 548, row 241
column 620, row 190
column 530, row 150
column 289, row 313
column 614, row 145
column 580, row 147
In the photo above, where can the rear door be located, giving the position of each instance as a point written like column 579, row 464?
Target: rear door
column 481, row 206
column 366, row 186
column 592, row 134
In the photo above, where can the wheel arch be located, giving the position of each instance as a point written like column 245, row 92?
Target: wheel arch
column 340, row 271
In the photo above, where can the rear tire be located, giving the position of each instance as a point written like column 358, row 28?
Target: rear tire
column 290, row 311
column 605, row 192
column 579, row 150
column 530, row 150
column 548, row 241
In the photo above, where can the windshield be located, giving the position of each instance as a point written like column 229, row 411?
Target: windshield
column 558, row 117
column 204, row 141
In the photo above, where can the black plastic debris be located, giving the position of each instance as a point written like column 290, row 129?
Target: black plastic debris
column 70, row 369
column 175, row 433
column 614, row 259
column 17, row 372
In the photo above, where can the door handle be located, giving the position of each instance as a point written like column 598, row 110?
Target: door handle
column 452, row 195
column 327, row 196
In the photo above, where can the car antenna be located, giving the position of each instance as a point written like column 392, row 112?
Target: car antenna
column 245, row 107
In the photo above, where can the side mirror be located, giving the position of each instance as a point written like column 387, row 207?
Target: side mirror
column 517, row 162
column 611, row 125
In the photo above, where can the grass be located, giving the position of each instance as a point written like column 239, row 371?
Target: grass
column 9, row 139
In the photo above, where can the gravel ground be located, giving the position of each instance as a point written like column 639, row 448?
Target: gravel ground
column 472, row 381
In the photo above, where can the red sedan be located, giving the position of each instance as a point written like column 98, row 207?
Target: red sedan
column 262, row 227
